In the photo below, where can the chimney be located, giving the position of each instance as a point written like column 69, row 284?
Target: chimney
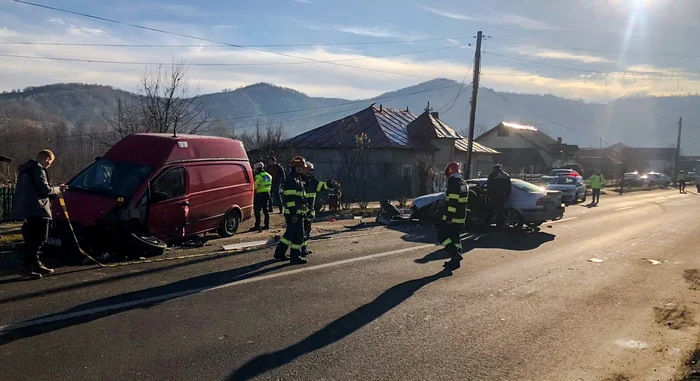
column 559, row 140
column 380, row 108
column 435, row 115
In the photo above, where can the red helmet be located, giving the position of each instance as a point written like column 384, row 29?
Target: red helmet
column 452, row 168
column 298, row 161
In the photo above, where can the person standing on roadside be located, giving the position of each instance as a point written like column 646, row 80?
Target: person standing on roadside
column 499, row 189
column 32, row 205
column 278, row 178
column 262, row 186
column 596, row 183
column 681, row 181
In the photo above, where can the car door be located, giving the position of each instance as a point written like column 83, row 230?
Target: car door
column 168, row 206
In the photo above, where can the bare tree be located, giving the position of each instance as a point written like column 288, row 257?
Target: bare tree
column 163, row 105
column 479, row 129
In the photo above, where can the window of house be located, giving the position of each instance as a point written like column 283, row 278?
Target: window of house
column 503, row 132
column 406, row 171
column 172, row 183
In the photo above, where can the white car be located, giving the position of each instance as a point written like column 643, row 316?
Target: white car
column 654, row 178
column 528, row 204
column 572, row 188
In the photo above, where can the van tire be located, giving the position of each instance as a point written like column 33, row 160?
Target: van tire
column 230, row 224
column 147, row 245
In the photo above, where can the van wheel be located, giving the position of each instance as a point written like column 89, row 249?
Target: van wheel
column 512, row 219
column 147, row 245
column 229, row 225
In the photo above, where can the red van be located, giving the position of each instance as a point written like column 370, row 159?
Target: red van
column 167, row 187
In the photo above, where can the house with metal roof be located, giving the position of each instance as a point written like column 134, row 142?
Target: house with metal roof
column 526, row 149
column 383, row 146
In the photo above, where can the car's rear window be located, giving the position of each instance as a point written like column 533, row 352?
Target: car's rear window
column 563, row 180
column 527, row 187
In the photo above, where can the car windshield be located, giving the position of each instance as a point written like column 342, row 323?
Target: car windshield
column 112, row 179
column 564, row 180
column 527, row 187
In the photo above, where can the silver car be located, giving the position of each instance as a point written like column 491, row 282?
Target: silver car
column 528, row 204
column 572, row 188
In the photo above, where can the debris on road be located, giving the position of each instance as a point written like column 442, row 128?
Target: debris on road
column 654, row 261
column 595, row 260
column 250, row 245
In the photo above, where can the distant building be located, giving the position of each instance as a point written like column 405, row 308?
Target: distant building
column 525, row 149
column 387, row 152
column 613, row 160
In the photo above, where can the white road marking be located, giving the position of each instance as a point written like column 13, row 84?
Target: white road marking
column 59, row 317
column 625, row 208
column 563, row 220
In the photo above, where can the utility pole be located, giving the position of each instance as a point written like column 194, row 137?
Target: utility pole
column 676, row 165
column 475, row 91
column 601, row 142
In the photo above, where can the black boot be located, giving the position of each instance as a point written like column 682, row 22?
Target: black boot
column 296, row 258
column 281, row 252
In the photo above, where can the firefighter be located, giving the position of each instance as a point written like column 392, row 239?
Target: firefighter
column 262, row 186
column 312, row 186
column 454, row 215
column 499, row 189
column 295, row 209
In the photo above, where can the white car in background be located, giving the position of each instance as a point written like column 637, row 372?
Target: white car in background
column 654, row 178
column 572, row 188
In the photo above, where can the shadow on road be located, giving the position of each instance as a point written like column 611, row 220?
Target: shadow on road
column 129, row 301
column 336, row 330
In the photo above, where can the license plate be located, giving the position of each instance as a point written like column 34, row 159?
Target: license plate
column 53, row 241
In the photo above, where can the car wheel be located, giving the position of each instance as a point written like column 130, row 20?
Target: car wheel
column 512, row 219
column 147, row 245
column 229, row 225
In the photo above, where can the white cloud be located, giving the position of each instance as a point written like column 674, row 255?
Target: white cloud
column 371, row 31
column 5, row 32
column 56, row 20
column 84, row 32
column 495, row 18
column 561, row 55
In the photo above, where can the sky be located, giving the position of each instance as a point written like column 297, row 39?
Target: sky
column 595, row 50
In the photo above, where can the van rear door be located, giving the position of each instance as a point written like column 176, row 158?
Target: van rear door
column 169, row 205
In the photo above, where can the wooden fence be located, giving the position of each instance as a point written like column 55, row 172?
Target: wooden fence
column 6, row 195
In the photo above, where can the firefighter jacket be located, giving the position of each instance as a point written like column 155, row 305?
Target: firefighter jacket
column 263, row 182
column 456, row 198
column 312, row 187
column 294, row 195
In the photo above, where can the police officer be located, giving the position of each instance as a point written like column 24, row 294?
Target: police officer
column 498, row 188
column 312, row 187
column 295, row 209
column 454, row 215
column 596, row 182
column 262, row 186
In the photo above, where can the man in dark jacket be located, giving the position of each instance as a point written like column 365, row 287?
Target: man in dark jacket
column 454, row 215
column 31, row 203
column 278, row 178
column 499, row 189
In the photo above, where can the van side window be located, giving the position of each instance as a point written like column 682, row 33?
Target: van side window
column 172, row 183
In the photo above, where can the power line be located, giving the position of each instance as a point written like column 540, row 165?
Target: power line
column 207, row 40
column 459, row 92
column 224, row 63
column 543, row 117
column 80, row 44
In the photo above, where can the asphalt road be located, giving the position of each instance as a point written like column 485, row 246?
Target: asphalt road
column 375, row 304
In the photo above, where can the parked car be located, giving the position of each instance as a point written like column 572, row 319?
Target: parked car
column 572, row 188
column 631, row 179
column 528, row 204
column 556, row 173
column 170, row 188
column 654, row 178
